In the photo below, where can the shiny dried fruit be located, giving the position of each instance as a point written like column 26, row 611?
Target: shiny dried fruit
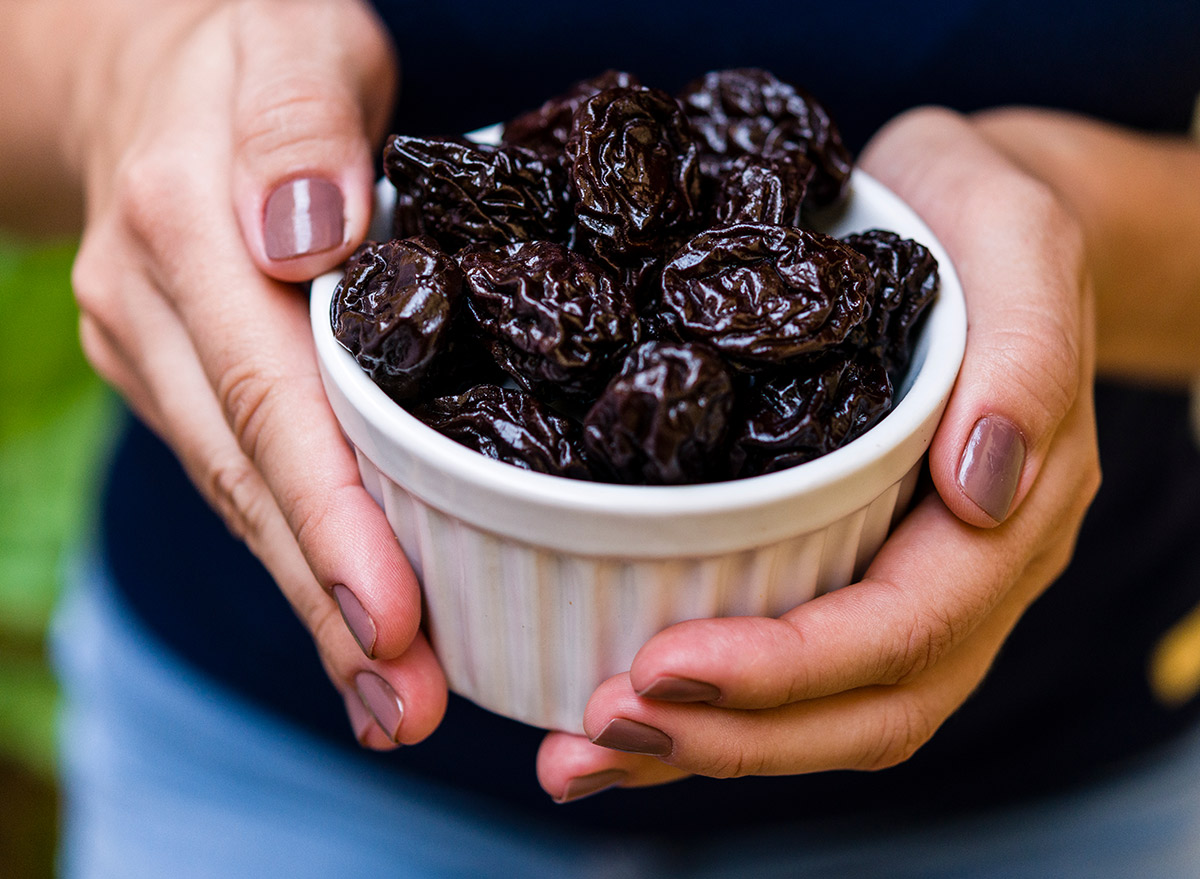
column 765, row 294
column 763, row 189
column 546, row 129
column 906, row 282
column 633, row 173
column 801, row 414
column 509, row 425
column 750, row 111
column 553, row 320
column 393, row 310
column 663, row 419
column 467, row 193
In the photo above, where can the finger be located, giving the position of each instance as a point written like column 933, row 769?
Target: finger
column 305, row 125
column 254, row 341
column 391, row 702
column 570, row 768
column 1020, row 258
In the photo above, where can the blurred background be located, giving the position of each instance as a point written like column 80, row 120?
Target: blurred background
column 54, row 420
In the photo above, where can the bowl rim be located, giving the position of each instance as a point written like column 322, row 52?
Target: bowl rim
column 881, row 456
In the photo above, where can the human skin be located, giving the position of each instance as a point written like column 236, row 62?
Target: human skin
column 165, row 113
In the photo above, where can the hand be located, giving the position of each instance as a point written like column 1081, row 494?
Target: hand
column 234, row 159
column 862, row 677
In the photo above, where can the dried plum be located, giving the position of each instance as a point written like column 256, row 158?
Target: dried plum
column 798, row 415
column 906, row 282
column 763, row 189
column 553, row 319
column 546, row 129
column 394, row 311
column 765, row 294
column 633, row 173
column 746, row 110
column 509, row 425
column 663, row 419
column 471, row 193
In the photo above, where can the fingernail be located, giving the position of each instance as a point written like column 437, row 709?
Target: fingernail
column 586, row 785
column 990, row 469
column 637, row 738
column 381, row 700
column 301, row 217
column 358, row 621
column 672, row 689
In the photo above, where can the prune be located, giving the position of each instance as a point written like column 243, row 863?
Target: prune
column 765, row 294
column 795, row 416
column 470, row 193
column 546, row 129
column 553, row 320
column 508, row 425
column 393, row 310
column 633, row 173
column 663, row 419
column 735, row 112
column 763, row 189
column 906, row 282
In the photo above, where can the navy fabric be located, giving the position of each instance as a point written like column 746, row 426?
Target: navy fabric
column 1067, row 695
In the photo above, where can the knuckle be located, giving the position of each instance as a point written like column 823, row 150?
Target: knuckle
column 148, row 188
column 928, row 635
column 294, row 115
column 236, row 491
column 734, row 762
column 902, row 730
column 245, row 393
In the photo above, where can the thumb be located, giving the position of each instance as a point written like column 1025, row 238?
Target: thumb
column 315, row 84
column 1020, row 257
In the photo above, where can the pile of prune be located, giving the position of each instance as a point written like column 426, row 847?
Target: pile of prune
column 627, row 288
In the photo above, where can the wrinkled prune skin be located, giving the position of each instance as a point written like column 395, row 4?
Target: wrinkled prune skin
column 765, row 294
column 554, row 321
column 394, row 309
column 633, row 174
column 906, row 282
column 546, row 129
column 795, row 416
column 509, row 425
column 476, row 194
column 663, row 419
column 746, row 110
column 763, row 189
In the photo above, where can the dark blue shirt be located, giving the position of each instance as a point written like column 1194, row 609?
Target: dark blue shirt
column 1067, row 696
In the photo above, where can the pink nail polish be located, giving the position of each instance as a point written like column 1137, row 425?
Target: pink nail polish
column 303, row 216
column 622, row 734
column 357, row 620
column 990, row 469
column 586, row 785
column 383, row 703
column 672, row 689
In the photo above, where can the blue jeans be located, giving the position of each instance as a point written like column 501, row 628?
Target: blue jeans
column 166, row 773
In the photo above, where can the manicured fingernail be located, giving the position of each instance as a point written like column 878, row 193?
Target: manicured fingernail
column 586, row 785
column 990, row 469
column 358, row 621
column 672, row 689
column 301, row 217
column 381, row 700
column 637, row 738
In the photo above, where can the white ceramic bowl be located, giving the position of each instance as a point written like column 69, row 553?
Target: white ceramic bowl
column 538, row 588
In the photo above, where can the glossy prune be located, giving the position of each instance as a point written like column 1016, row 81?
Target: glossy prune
column 546, row 129
column 906, row 282
column 633, row 174
column 394, row 310
column 663, row 418
column 467, row 193
column 552, row 319
column 763, row 189
column 750, row 111
column 798, row 415
column 508, row 425
column 765, row 294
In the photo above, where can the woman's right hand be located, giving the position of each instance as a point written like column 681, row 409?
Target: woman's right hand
column 226, row 152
